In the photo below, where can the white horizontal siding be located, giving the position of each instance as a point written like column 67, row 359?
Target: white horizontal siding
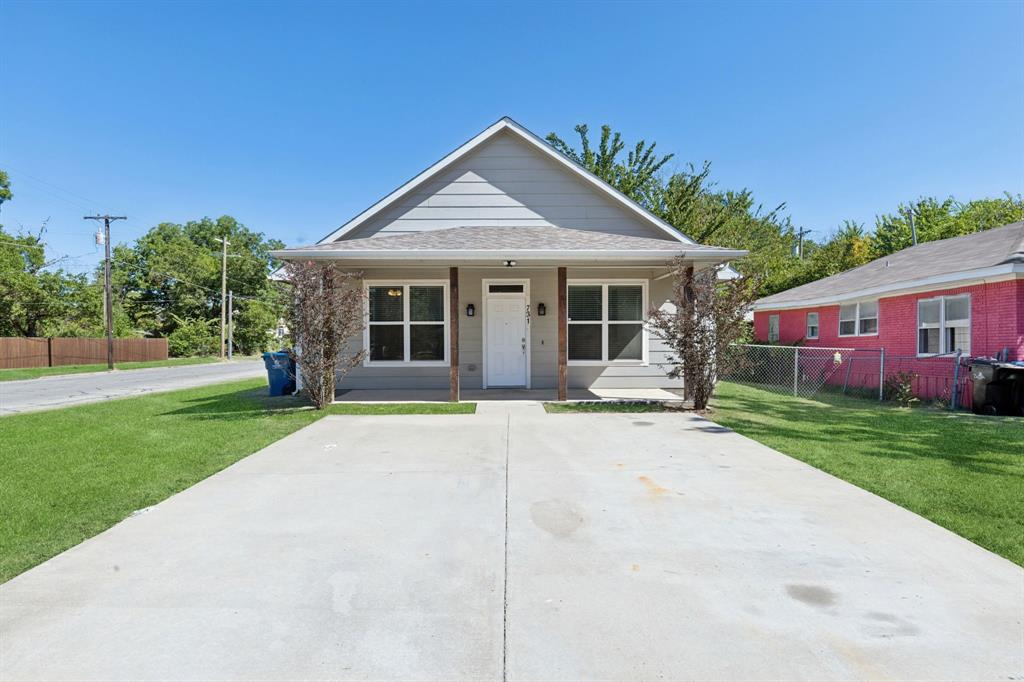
column 505, row 182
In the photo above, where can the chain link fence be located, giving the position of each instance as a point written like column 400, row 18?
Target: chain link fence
column 804, row 371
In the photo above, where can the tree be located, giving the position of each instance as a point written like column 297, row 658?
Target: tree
column 934, row 219
column 35, row 298
column 172, row 273
column 847, row 248
column 5, row 188
column 637, row 177
column 706, row 318
column 689, row 201
column 326, row 317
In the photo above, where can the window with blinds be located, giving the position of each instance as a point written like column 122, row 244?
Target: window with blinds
column 606, row 322
column 407, row 322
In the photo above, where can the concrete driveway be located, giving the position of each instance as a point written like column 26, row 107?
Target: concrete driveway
column 48, row 393
column 513, row 544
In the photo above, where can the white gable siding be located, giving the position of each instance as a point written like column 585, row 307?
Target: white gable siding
column 505, row 183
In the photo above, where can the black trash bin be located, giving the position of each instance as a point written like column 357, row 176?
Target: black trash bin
column 998, row 387
column 280, row 373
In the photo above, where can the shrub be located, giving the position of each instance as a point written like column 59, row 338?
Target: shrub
column 193, row 336
column 899, row 388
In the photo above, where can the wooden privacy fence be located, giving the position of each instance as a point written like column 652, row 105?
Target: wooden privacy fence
column 18, row 351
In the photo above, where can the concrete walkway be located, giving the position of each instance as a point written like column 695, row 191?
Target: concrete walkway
column 52, row 392
column 514, row 544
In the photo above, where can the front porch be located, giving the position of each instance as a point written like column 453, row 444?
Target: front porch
column 372, row 395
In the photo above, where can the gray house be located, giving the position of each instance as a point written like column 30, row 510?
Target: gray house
column 507, row 265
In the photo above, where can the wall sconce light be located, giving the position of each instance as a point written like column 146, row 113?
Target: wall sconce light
column 542, row 309
column 510, row 264
column 470, row 310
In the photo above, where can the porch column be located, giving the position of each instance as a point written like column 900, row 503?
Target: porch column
column 563, row 334
column 453, row 334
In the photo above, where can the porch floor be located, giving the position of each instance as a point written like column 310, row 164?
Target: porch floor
column 361, row 395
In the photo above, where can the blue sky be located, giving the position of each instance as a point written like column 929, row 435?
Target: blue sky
column 293, row 117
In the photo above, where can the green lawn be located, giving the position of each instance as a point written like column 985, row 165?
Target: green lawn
column 69, row 474
column 36, row 372
column 964, row 472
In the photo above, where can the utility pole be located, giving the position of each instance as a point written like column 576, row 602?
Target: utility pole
column 913, row 228
column 231, row 324
column 108, row 302
column 800, row 247
column 223, row 293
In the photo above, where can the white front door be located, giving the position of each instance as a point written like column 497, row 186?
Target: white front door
column 506, row 341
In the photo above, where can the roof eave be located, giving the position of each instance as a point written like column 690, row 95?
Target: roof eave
column 945, row 281
column 701, row 254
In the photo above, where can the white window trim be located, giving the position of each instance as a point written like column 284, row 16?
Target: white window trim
column 644, row 360
column 406, row 322
column 807, row 325
column 778, row 327
column 942, row 325
column 857, row 318
column 486, row 293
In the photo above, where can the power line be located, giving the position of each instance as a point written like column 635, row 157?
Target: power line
column 45, row 182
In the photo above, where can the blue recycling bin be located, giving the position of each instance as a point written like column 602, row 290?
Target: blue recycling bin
column 280, row 373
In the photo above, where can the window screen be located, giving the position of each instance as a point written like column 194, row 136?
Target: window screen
column 406, row 322
column 606, row 322
column 944, row 325
column 867, row 318
column 585, row 303
column 812, row 325
column 386, row 303
column 848, row 320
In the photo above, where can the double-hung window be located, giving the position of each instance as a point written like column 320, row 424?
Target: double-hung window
column 812, row 326
column 858, row 319
column 606, row 322
column 407, row 322
column 944, row 325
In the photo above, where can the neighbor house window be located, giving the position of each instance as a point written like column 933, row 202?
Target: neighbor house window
column 408, row 322
column 773, row 328
column 606, row 321
column 858, row 319
column 944, row 325
column 812, row 325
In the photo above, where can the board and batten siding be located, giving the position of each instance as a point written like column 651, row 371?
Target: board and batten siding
column 543, row 335
column 505, row 183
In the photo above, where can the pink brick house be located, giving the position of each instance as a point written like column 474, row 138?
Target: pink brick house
column 923, row 304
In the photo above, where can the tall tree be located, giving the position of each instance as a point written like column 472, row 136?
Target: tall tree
column 942, row 219
column 36, row 298
column 171, row 277
column 636, row 176
column 691, row 203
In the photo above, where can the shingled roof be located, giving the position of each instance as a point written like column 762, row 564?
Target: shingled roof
column 945, row 259
column 487, row 241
